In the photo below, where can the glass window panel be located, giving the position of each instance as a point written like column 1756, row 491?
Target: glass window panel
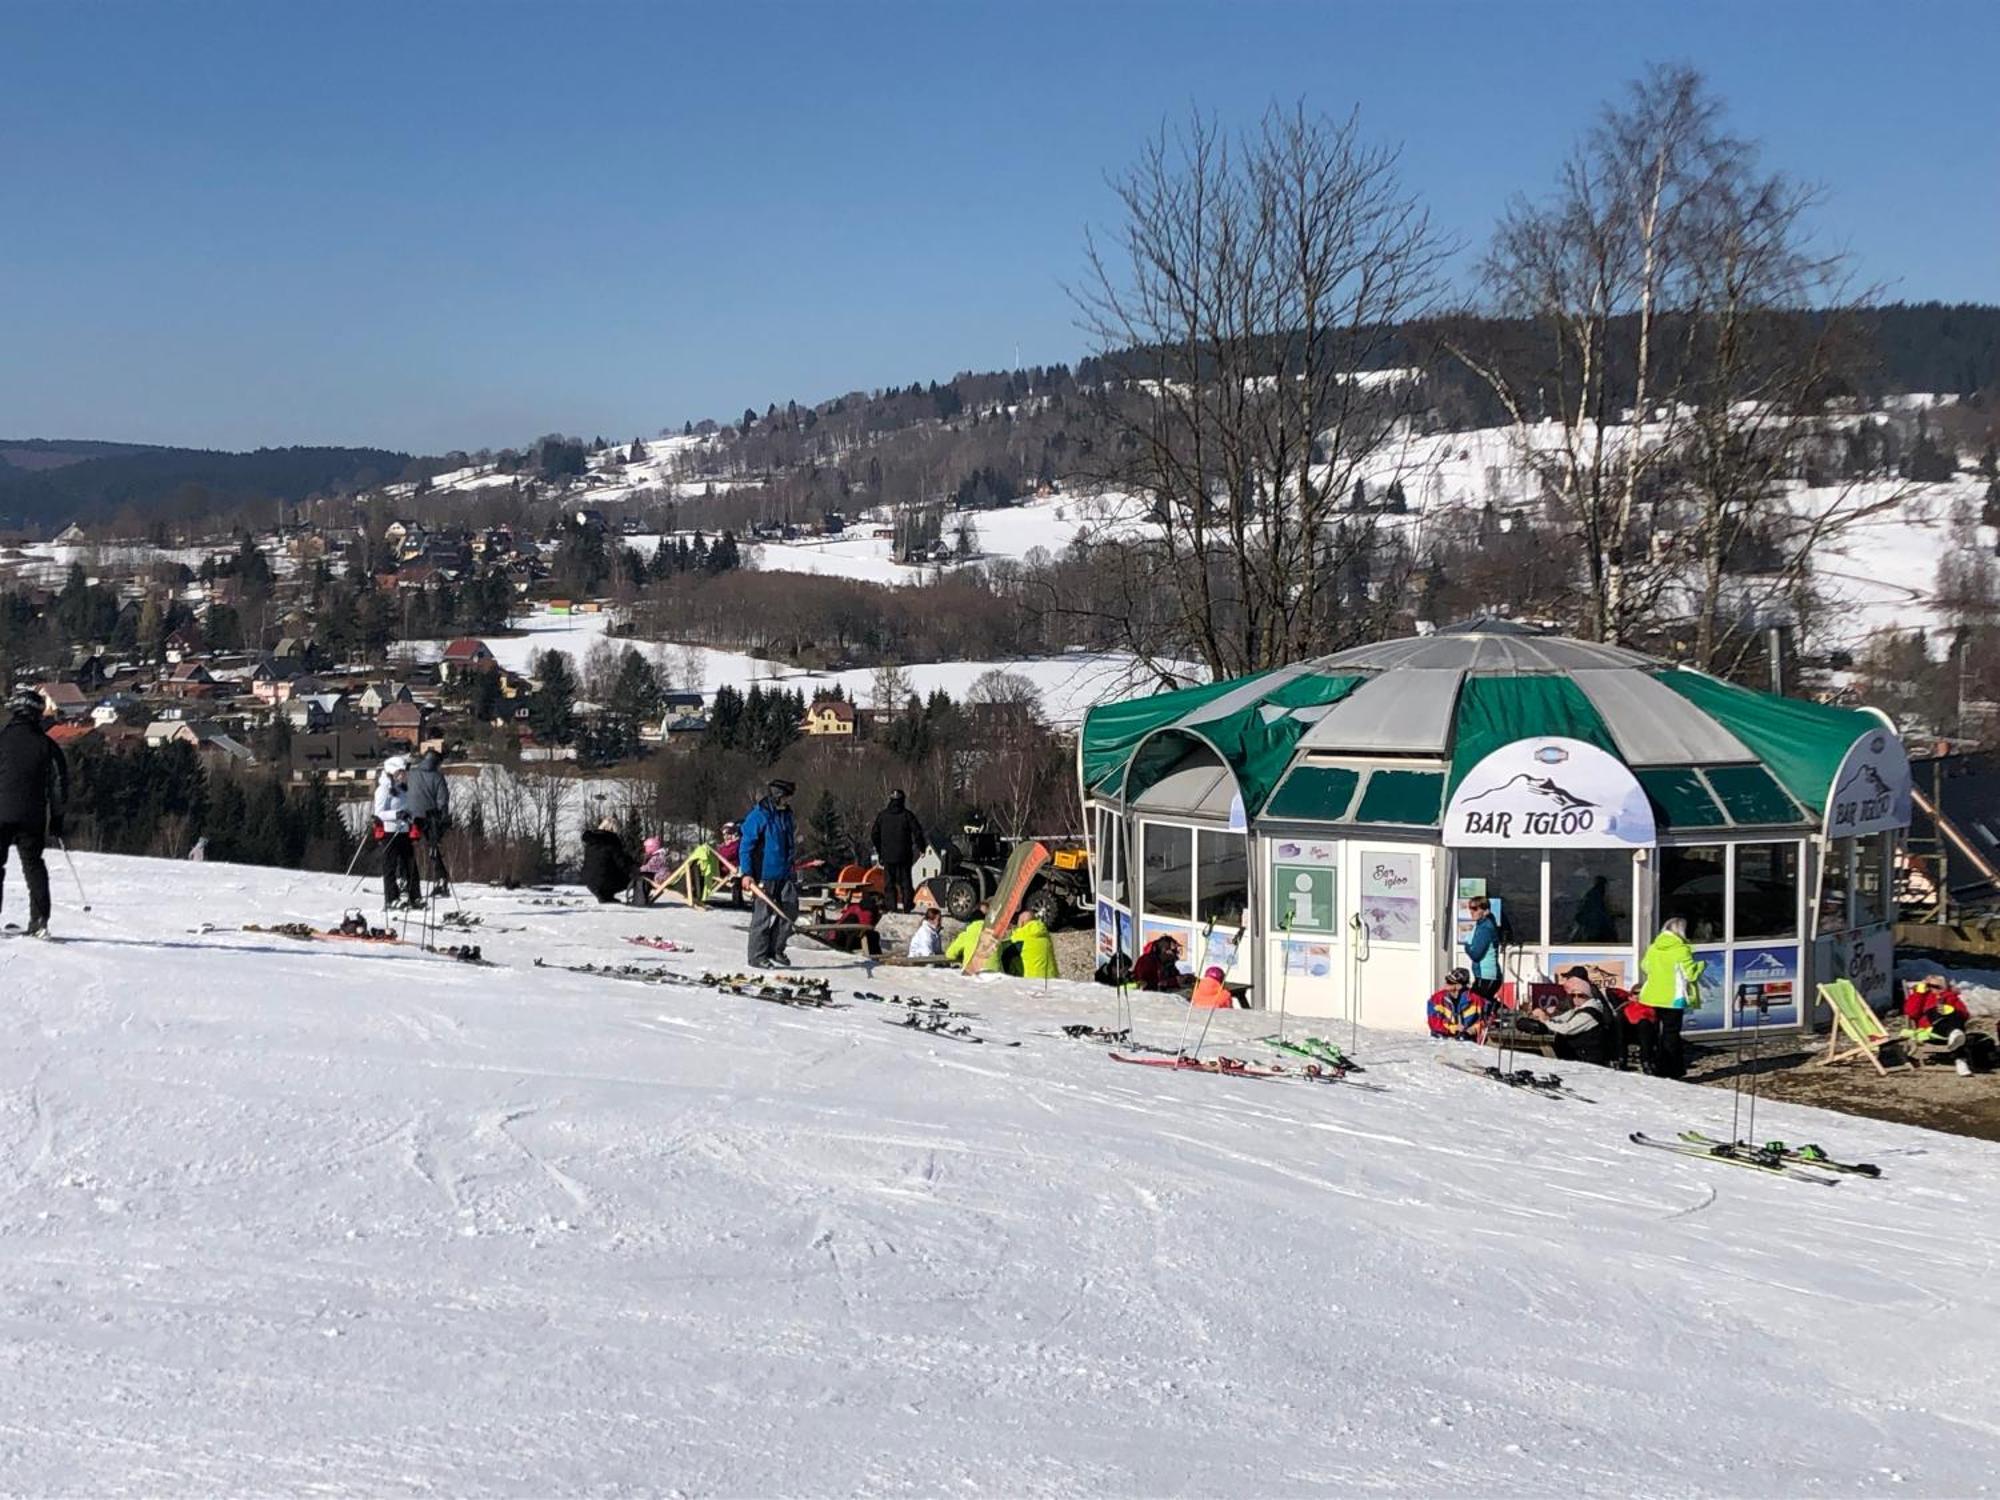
column 1750, row 794
column 1871, row 853
column 1694, row 883
column 1110, row 856
column 1833, row 886
column 1680, row 800
column 1513, row 878
column 1167, row 870
column 1415, row 797
column 1316, row 794
column 1767, row 891
column 1222, row 879
column 1590, row 896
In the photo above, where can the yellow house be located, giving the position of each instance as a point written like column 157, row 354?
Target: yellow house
column 830, row 716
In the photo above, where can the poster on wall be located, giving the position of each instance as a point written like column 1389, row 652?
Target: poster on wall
column 1606, row 971
column 1125, row 943
column 1549, row 794
column 1107, row 930
column 1302, row 889
column 1713, row 990
column 1219, row 950
column 1391, row 906
column 1766, row 979
column 1871, row 790
column 1309, row 960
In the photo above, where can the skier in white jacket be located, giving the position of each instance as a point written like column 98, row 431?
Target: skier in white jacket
column 392, row 827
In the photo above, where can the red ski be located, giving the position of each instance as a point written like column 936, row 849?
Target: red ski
column 1229, row 1066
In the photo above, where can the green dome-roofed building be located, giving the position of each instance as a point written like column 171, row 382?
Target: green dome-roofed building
column 1319, row 827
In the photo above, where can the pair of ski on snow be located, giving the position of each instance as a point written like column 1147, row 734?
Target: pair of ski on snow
column 1774, row 1157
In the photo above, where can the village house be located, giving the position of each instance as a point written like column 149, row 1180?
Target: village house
column 830, row 716
column 189, row 679
column 355, row 756
column 402, row 723
column 464, row 655
column 313, row 713
column 65, row 700
column 109, row 710
column 377, row 696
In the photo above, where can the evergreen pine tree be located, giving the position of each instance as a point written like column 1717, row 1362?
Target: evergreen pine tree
column 826, row 833
column 552, row 709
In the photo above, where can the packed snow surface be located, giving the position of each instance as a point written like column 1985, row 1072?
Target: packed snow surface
column 285, row 1217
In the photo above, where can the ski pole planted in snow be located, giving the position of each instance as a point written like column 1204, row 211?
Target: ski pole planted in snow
column 74, row 876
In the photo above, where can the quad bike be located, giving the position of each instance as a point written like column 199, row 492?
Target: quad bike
column 970, row 873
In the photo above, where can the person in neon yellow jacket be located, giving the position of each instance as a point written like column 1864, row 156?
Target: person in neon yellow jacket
column 1035, row 948
column 963, row 946
column 1671, row 985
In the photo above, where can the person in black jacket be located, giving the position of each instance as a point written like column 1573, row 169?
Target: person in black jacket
column 34, row 789
column 427, row 799
column 898, row 839
column 607, row 868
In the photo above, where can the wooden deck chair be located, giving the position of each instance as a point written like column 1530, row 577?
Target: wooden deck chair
column 1855, row 1023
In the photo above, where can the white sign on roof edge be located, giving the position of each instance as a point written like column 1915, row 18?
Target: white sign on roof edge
column 1549, row 793
column 1871, row 790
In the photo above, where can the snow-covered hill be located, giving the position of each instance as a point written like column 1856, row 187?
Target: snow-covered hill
column 1067, row 685
column 279, row 1217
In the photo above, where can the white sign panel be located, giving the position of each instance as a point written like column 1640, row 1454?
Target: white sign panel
column 1871, row 790
column 1549, row 794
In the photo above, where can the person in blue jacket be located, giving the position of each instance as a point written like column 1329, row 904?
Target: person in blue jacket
column 768, row 850
column 1482, row 946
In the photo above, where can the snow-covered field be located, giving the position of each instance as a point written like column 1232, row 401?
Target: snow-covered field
column 288, row 1218
column 1068, row 684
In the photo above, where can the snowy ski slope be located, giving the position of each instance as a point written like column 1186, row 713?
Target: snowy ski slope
column 287, row 1218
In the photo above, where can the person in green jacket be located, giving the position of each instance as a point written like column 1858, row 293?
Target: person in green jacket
column 1032, row 949
column 1671, row 985
column 962, row 947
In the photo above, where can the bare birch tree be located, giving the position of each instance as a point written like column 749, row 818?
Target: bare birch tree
column 1686, row 345
column 1252, row 281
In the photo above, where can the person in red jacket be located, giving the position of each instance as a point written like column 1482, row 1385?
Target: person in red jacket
column 1936, row 1013
column 1454, row 1012
column 1158, row 968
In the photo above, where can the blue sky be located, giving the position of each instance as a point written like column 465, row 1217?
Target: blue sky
column 455, row 225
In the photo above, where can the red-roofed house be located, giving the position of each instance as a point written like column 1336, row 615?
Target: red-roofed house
column 465, row 655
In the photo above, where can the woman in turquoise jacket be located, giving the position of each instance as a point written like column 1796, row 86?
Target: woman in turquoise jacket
column 1671, row 985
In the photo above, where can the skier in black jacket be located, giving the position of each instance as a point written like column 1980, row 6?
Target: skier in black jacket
column 898, row 839
column 34, row 789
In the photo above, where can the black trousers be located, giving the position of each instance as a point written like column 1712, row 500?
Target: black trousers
column 1660, row 1052
column 30, row 841
column 399, row 864
column 901, row 893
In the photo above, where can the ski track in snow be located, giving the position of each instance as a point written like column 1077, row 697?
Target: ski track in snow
column 289, row 1218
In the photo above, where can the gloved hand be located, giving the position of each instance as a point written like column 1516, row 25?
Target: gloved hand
column 55, row 825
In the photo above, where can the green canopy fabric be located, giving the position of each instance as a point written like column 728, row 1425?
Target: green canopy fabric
column 1496, row 711
column 1802, row 743
column 1309, row 742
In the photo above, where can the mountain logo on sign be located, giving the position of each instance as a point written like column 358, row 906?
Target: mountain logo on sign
column 1564, row 814
column 1540, row 786
column 1864, row 798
